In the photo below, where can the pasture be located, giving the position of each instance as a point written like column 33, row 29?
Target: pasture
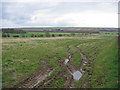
column 95, row 56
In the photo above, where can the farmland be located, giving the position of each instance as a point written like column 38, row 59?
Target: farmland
column 50, row 61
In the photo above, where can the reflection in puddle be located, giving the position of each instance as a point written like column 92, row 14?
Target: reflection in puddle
column 50, row 73
column 83, row 56
column 84, row 64
column 66, row 61
column 77, row 75
column 81, row 69
column 69, row 56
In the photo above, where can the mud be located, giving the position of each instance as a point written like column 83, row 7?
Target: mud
column 36, row 78
column 42, row 78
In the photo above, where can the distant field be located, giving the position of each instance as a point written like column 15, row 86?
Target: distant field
column 54, row 28
column 38, row 34
column 26, row 57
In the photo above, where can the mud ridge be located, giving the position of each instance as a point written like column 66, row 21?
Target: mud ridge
column 36, row 78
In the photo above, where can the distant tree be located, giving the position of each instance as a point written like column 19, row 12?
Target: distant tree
column 35, row 35
column 67, row 34
column 8, row 35
column 16, row 36
column 23, row 35
column 40, row 35
column 32, row 35
column 47, row 34
column 4, row 35
column 72, row 34
column 60, row 35
column 53, row 35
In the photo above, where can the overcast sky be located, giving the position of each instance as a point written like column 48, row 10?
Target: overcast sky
column 59, row 13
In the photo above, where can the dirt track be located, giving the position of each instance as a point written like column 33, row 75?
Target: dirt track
column 34, row 79
column 67, row 70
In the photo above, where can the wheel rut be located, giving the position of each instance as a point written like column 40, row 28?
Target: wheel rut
column 68, row 71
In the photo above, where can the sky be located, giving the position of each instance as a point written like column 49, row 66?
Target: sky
column 59, row 13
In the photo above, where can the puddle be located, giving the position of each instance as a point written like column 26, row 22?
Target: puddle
column 50, row 73
column 84, row 64
column 36, row 84
column 82, row 70
column 66, row 61
column 69, row 56
column 77, row 75
column 83, row 56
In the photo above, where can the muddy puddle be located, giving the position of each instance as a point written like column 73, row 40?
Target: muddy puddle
column 77, row 75
column 66, row 61
column 70, row 56
column 51, row 72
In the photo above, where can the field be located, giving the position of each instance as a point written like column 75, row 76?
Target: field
column 79, row 61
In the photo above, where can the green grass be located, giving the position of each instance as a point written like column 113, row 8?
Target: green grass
column 21, row 59
column 105, row 68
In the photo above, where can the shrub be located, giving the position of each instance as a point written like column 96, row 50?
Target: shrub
column 23, row 35
column 47, row 34
column 16, row 36
column 32, row 35
column 53, row 35
column 40, row 35
column 4, row 35
column 60, row 35
column 72, row 34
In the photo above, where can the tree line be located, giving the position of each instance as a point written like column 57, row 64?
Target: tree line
column 47, row 34
column 13, row 31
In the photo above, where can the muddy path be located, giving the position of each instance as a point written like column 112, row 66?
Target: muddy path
column 36, row 78
column 64, row 73
column 86, row 63
column 68, row 72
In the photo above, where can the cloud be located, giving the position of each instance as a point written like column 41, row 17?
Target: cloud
column 83, row 19
column 7, row 23
column 60, row 0
column 81, row 14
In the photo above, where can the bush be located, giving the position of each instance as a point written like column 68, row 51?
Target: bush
column 16, row 36
column 32, row 35
column 60, row 35
column 72, row 34
column 23, row 35
column 40, row 35
column 4, row 35
column 8, row 35
column 47, row 34
column 53, row 35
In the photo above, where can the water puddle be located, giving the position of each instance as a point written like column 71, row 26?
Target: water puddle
column 83, row 56
column 51, row 72
column 81, row 69
column 69, row 56
column 84, row 64
column 77, row 75
column 66, row 61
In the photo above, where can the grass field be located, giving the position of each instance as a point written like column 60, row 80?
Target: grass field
column 22, row 57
